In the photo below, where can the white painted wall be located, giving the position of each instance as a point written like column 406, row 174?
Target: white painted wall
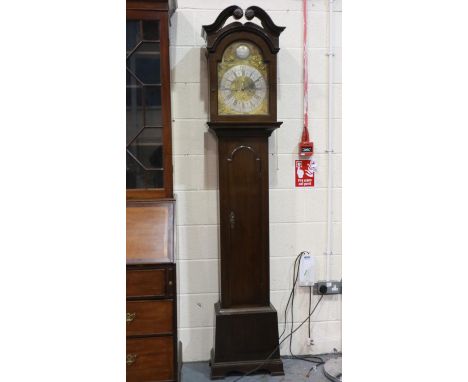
column 297, row 216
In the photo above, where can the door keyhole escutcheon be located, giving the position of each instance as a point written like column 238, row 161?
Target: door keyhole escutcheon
column 232, row 219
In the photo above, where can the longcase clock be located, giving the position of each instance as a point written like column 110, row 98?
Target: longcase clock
column 242, row 87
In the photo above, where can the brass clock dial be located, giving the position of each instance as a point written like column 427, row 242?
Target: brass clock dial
column 242, row 81
column 243, row 89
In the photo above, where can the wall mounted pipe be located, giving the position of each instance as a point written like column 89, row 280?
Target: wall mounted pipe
column 331, row 57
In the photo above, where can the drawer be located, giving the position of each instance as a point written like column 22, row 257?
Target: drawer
column 150, row 359
column 149, row 317
column 149, row 282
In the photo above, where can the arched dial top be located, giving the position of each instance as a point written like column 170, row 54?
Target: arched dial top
column 242, row 80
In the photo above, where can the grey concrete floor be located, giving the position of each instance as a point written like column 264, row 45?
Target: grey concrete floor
column 294, row 371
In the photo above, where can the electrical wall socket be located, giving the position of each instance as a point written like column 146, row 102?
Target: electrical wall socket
column 309, row 341
column 328, row 287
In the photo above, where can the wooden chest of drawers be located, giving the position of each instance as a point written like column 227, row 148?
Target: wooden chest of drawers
column 152, row 346
column 151, row 323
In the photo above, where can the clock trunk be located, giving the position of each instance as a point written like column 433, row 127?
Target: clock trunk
column 243, row 192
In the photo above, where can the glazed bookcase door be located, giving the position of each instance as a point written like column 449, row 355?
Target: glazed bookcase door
column 148, row 110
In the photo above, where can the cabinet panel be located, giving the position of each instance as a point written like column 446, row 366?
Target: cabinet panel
column 150, row 228
column 150, row 359
column 149, row 317
column 146, row 283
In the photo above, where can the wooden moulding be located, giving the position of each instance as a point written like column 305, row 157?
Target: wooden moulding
column 153, row 5
column 215, row 32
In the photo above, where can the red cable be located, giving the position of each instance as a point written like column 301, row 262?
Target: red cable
column 305, row 147
column 305, row 133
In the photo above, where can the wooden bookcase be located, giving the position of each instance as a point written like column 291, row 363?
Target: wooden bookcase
column 153, row 351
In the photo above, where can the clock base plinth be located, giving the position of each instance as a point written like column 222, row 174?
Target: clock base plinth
column 244, row 338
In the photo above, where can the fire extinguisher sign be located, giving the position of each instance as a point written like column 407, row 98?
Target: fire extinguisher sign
column 304, row 173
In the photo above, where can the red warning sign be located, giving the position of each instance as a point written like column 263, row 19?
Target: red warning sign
column 305, row 173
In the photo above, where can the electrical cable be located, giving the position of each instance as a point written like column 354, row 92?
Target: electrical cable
column 311, row 359
column 306, row 358
column 295, row 277
column 291, row 300
column 292, row 303
column 310, row 304
column 276, row 348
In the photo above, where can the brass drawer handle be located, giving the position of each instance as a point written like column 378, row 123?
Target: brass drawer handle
column 131, row 358
column 130, row 317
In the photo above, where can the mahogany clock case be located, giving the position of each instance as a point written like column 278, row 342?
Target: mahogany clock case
column 246, row 324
